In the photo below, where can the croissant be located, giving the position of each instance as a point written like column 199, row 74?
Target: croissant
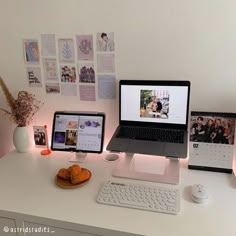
column 75, row 170
column 84, row 175
column 64, row 174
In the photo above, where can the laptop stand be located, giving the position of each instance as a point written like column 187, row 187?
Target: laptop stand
column 148, row 168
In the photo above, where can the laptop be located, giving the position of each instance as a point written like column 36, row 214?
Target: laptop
column 153, row 118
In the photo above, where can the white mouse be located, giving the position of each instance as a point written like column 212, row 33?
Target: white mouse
column 199, row 193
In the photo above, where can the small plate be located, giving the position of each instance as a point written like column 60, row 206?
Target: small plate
column 67, row 184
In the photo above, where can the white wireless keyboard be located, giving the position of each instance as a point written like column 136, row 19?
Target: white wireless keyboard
column 144, row 197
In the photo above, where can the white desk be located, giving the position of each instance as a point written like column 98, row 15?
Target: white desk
column 27, row 187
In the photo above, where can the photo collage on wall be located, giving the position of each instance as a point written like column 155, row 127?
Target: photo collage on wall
column 71, row 66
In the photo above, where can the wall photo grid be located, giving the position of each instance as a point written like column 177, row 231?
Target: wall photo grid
column 83, row 65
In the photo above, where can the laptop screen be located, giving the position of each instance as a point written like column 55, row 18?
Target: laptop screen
column 164, row 102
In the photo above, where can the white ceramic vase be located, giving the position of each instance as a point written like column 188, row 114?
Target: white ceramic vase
column 21, row 139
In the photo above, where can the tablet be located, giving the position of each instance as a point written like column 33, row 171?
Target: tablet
column 78, row 131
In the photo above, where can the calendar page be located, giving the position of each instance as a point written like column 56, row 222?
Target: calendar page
column 212, row 137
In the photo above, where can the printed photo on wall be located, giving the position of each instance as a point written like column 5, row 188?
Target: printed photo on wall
column 85, row 47
column 105, row 42
column 40, row 136
column 50, row 69
column 68, row 73
column 52, row 88
column 68, row 89
column 212, row 127
column 154, row 104
column 34, row 76
column 66, row 50
column 106, row 86
column 31, row 51
column 106, row 63
column 86, row 73
column 48, row 43
column 87, row 93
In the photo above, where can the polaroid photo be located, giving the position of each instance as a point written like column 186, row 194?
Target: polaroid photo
column 40, row 136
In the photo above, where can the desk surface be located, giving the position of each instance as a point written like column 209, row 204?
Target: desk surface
column 27, row 186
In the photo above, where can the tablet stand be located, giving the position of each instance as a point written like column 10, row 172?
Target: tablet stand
column 127, row 168
column 79, row 157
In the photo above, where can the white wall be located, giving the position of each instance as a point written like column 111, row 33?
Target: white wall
column 155, row 39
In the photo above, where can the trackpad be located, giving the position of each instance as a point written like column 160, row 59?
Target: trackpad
column 120, row 145
column 147, row 147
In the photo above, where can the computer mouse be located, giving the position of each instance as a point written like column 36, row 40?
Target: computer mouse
column 199, row 193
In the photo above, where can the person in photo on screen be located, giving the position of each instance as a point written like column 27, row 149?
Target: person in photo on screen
column 154, row 105
column 159, row 105
column 107, row 44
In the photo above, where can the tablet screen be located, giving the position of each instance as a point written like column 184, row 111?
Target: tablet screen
column 78, row 132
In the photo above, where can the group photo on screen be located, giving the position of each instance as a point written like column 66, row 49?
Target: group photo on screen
column 154, row 104
column 89, row 123
column 210, row 129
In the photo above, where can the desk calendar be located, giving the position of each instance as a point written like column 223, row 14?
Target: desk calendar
column 212, row 137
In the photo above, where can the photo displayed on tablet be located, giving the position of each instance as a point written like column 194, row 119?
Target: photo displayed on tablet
column 78, row 132
column 40, row 137
column 218, row 128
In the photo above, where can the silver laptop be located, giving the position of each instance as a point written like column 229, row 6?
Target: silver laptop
column 153, row 118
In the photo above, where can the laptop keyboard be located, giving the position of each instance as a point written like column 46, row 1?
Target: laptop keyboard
column 152, row 134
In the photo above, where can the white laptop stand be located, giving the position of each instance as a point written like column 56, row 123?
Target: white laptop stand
column 128, row 167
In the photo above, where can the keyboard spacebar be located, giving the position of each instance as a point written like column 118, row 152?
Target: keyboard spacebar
column 134, row 204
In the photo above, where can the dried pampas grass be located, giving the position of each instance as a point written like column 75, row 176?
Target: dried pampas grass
column 23, row 108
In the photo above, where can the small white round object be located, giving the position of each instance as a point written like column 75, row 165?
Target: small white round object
column 111, row 157
column 199, row 193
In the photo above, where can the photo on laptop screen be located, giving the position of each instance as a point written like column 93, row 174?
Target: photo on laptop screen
column 154, row 103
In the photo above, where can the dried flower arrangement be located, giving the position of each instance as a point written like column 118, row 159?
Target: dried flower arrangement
column 23, row 108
